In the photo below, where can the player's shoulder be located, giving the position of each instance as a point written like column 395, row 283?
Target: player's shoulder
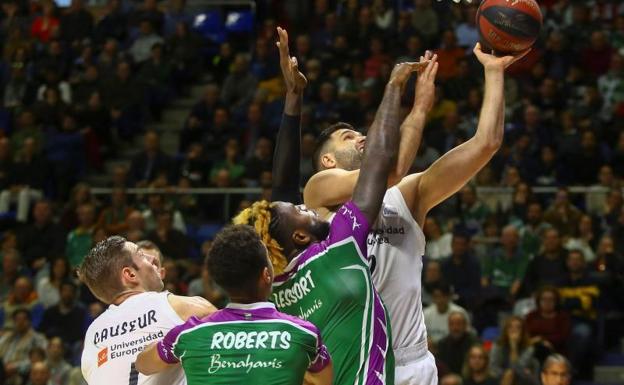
column 305, row 326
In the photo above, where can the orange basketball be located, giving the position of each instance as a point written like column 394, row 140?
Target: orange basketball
column 508, row 26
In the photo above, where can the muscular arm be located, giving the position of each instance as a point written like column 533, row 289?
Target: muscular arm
column 149, row 362
column 380, row 154
column 286, row 156
column 324, row 377
column 187, row 307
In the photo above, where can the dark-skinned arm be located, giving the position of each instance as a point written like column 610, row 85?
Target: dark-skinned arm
column 382, row 148
column 287, row 153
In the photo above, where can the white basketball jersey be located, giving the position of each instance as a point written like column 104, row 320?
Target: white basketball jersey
column 117, row 336
column 398, row 245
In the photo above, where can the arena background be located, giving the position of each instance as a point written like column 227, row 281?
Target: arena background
column 156, row 120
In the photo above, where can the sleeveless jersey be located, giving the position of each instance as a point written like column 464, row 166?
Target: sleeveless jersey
column 117, row 336
column 330, row 285
column 245, row 344
column 395, row 247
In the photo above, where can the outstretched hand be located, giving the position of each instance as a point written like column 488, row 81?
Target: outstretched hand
column 402, row 71
column 490, row 61
column 425, row 85
column 294, row 79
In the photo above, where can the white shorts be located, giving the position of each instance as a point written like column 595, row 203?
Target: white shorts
column 415, row 369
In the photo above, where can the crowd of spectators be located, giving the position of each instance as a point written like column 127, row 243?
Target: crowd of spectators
column 509, row 277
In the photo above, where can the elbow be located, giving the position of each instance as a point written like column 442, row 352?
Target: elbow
column 491, row 145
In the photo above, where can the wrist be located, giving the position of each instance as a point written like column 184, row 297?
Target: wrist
column 496, row 70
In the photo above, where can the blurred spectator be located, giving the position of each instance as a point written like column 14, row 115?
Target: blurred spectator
column 45, row 25
column 149, row 12
column 76, row 23
column 26, row 128
column 453, row 349
column 261, row 161
column 80, row 239
column 27, row 181
column 183, row 47
column 39, row 374
column 462, row 271
column 425, row 20
column 586, row 241
column 548, row 325
column 556, row 370
column 49, row 288
column 194, row 166
column 239, row 86
column 451, row 379
column 155, row 76
column 596, row 198
column 449, row 55
column 597, row 56
column 439, row 245
column 579, row 295
column 155, row 204
column 466, row 32
column 15, row 346
column 113, row 217
column 171, row 242
column 531, row 233
column 232, row 162
column 504, row 271
column 437, row 314
column 11, row 269
column 59, row 368
column 512, row 351
column 144, row 44
column 122, row 95
column 22, row 296
column 136, row 227
column 562, row 215
column 150, row 163
column 473, row 210
column 549, row 266
column 80, row 194
column 476, row 369
column 67, row 319
column 113, row 24
column 432, row 277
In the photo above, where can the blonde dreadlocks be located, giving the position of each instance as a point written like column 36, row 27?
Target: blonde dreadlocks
column 258, row 216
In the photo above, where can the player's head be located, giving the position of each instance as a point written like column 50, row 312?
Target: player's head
column 115, row 266
column 339, row 146
column 238, row 262
column 150, row 248
column 556, row 370
column 283, row 228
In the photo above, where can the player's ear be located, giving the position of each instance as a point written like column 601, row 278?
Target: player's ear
column 267, row 276
column 328, row 160
column 301, row 238
column 129, row 276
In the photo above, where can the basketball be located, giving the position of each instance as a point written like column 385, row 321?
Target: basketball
column 508, row 26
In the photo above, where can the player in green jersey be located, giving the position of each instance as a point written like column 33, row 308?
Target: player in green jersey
column 323, row 268
column 248, row 342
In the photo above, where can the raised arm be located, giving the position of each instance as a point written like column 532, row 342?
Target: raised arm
column 380, row 154
column 186, row 307
column 333, row 187
column 286, row 157
column 455, row 168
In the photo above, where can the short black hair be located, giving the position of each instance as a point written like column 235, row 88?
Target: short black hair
column 322, row 140
column 236, row 259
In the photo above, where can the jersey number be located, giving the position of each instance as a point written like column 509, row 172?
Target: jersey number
column 134, row 375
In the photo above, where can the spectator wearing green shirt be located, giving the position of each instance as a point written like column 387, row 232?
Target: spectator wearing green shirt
column 504, row 270
column 533, row 229
column 232, row 163
column 80, row 239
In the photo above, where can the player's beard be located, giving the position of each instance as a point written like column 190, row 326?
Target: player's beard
column 349, row 159
column 320, row 229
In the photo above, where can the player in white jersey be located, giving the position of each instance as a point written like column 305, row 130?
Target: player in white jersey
column 121, row 274
column 398, row 242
